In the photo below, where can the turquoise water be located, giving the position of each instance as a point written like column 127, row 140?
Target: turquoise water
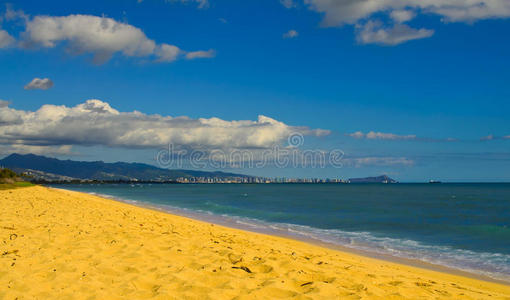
column 464, row 226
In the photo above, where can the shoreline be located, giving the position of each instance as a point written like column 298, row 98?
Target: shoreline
column 222, row 221
column 66, row 244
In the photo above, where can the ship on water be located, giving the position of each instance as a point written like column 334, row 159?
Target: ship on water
column 434, row 181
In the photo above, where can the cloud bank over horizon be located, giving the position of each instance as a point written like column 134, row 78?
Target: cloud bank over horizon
column 95, row 122
column 372, row 135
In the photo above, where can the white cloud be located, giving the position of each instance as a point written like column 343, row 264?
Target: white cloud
column 288, row 3
column 356, row 12
column 372, row 135
column 372, row 32
column 357, row 135
column 7, row 115
column 97, row 123
column 339, row 12
column 103, row 37
column 401, row 16
column 39, row 84
column 88, row 34
column 6, row 40
column 10, row 117
column 492, row 137
column 291, row 34
column 12, row 14
column 321, row 132
column 201, row 54
column 167, row 53
column 378, row 161
column 40, row 150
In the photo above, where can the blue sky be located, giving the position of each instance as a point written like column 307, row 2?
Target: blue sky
column 429, row 84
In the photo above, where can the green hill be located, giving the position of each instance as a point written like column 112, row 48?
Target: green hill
column 99, row 170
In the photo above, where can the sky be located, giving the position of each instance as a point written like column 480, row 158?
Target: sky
column 414, row 89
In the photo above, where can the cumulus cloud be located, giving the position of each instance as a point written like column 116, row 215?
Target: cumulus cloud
column 401, row 16
column 88, row 34
column 381, row 136
column 100, row 36
column 201, row 54
column 342, row 12
column 6, row 40
column 39, row 84
column 291, row 34
column 4, row 103
column 9, row 117
column 96, row 123
column 13, row 15
column 373, row 33
column 339, row 12
column 167, row 53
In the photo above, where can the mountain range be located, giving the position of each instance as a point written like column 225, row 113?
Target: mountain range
column 377, row 179
column 46, row 168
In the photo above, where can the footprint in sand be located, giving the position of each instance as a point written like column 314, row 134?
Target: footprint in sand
column 395, row 283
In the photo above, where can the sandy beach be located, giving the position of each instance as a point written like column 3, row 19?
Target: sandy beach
column 67, row 245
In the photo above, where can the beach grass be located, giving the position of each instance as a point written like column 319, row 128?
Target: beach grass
column 57, row 244
column 14, row 185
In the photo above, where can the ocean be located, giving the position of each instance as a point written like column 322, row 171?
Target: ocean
column 461, row 226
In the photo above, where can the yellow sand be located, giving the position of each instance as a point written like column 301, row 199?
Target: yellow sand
column 68, row 245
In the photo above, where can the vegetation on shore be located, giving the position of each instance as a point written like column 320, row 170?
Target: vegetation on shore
column 20, row 184
column 10, row 180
